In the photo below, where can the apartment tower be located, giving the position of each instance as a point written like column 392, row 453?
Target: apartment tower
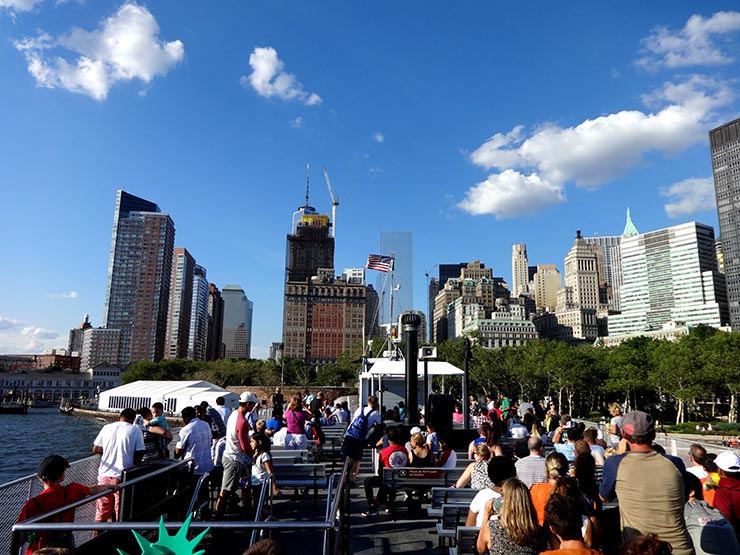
column 139, row 276
column 181, row 303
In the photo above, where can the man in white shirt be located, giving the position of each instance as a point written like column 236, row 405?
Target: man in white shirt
column 195, row 442
column 120, row 445
column 222, row 409
column 237, row 451
column 597, row 450
column 500, row 469
column 697, row 456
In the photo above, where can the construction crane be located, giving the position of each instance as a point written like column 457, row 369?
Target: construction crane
column 334, row 204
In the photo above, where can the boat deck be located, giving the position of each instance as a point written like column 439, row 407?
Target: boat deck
column 408, row 533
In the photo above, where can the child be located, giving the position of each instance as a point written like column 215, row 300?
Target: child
column 55, row 495
column 261, row 466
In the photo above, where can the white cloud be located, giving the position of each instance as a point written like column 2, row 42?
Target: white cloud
column 599, row 150
column 39, row 333
column 67, row 295
column 510, row 194
column 595, row 151
column 8, row 324
column 689, row 196
column 297, row 122
column 379, row 138
column 125, row 47
column 693, row 45
column 19, row 5
column 268, row 78
column 19, row 337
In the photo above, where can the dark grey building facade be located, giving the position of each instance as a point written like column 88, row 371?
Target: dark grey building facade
column 725, row 149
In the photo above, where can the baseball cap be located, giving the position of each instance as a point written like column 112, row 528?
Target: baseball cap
column 52, row 467
column 415, row 430
column 638, row 423
column 248, row 397
column 728, row 461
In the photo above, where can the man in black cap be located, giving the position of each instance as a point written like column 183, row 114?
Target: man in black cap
column 54, row 495
column 649, row 486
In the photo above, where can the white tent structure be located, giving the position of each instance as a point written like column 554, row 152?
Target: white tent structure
column 174, row 395
column 386, row 379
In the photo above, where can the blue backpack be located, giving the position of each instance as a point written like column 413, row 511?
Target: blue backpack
column 359, row 426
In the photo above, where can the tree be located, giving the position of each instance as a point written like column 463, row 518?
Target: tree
column 628, row 365
column 677, row 369
column 721, row 356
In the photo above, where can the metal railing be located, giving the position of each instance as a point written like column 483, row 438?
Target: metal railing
column 13, row 496
column 334, row 527
column 78, row 526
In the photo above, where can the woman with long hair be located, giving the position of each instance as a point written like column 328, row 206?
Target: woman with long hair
column 516, row 531
column 568, row 487
column 476, row 473
column 556, row 466
column 296, row 418
column 420, row 454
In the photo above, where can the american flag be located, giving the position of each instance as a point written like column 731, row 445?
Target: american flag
column 379, row 262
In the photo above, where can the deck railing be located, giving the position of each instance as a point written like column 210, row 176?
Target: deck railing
column 334, row 527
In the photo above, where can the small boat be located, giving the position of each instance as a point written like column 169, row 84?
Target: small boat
column 13, row 407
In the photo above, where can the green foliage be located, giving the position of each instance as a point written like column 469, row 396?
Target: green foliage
column 667, row 378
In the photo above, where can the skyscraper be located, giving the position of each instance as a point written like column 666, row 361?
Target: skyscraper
column 214, row 341
column 75, row 337
column 547, row 283
column 139, row 274
column 310, row 248
column 198, row 315
column 181, row 303
column 323, row 315
column 401, row 245
column 670, row 275
column 237, row 334
column 725, row 146
column 519, row 270
column 611, row 251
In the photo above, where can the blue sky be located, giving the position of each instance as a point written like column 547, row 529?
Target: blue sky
column 475, row 125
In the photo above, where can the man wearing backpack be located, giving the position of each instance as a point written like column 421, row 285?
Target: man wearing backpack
column 355, row 436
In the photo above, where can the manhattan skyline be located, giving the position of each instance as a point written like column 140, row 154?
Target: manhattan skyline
column 474, row 127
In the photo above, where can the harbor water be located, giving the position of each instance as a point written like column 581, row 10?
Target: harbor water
column 26, row 439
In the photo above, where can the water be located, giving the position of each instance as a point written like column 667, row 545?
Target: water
column 25, row 439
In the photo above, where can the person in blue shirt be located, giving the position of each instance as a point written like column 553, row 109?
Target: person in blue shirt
column 276, row 422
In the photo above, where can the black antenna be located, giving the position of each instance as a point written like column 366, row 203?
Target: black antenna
column 308, row 170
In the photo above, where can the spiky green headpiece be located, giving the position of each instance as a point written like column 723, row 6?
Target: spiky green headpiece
column 170, row 545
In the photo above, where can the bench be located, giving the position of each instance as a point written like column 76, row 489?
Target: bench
column 445, row 496
column 452, row 517
column 463, row 463
column 309, row 476
column 465, row 540
column 511, row 446
column 412, row 479
column 286, row 456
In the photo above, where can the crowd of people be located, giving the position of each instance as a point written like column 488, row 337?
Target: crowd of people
column 564, row 490
column 235, row 440
column 559, row 490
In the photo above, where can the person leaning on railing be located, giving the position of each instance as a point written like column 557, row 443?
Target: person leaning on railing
column 54, row 495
